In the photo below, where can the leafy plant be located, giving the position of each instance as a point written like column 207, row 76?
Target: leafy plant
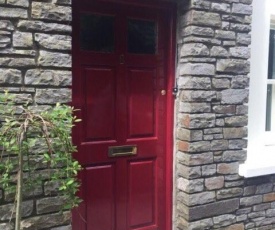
column 22, row 166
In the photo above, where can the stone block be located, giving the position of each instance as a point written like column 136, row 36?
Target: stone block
column 218, row 51
column 213, row 209
column 198, row 95
column 54, row 42
column 68, row 227
column 194, row 82
column 239, row 82
column 188, row 172
column 229, row 193
column 224, row 109
column 192, row 147
column 221, row 7
column 243, row 39
column 235, row 66
column 198, row 30
column 49, row 11
column 10, row 76
column 252, row 200
column 228, row 168
column 221, row 83
column 239, row 8
column 202, row 18
column 6, row 25
column 198, row 159
column 200, row 198
column 7, row 12
column 16, row 62
column 224, row 220
column 237, row 155
column 269, row 197
column 234, row 96
column 7, row 210
column 190, row 186
column 209, row 170
column 49, row 204
column 219, row 145
column 240, row 27
column 224, row 34
column 189, row 135
column 200, row 4
column 235, row 227
column 194, row 49
column 20, row 3
column 198, row 121
column 48, row 77
column 197, row 69
column 33, row 25
column 4, row 41
column 264, row 188
column 22, row 40
column 189, row 107
column 240, row 52
column 46, row 221
column 52, row 96
column 236, row 121
column 53, row 59
column 214, row 183
column 7, row 226
column 261, row 207
column 201, row 224
column 235, row 133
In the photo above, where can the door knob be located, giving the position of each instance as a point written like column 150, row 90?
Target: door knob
column 163, row 92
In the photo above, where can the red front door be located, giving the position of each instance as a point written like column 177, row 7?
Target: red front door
column 120, row 83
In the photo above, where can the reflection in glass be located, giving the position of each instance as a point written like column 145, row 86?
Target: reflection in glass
column 271, row 59
column 270, row 108
column 141, row 37
column 97, row 33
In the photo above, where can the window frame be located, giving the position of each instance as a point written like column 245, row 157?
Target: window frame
column 260, row 151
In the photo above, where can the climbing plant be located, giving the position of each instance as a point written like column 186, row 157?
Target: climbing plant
column 21, row 131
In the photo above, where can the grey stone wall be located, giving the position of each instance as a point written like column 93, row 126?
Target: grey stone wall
column 35, row 65
column 211, row 120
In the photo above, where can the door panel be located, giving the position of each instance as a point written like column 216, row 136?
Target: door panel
column 120, row 69
column 99, row 106
column 141, row 109
column 142, row 193
column 100, row 183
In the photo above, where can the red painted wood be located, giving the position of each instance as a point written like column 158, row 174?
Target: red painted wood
column 142, row 180
column 121, row 104
column 141, row 93
column 100, row 200
column 99, row 106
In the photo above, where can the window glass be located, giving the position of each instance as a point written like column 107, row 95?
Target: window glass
column 141, row 36
column 97, row 33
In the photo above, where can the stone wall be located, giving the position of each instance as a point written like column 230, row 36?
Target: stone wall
column 35, row 66
column 211, row 111
column 213, row 68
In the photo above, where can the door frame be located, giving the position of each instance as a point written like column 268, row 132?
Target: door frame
column 78, row 215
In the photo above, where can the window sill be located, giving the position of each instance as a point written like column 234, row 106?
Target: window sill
column 260, row 161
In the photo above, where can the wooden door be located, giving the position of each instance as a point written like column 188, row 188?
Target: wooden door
column 120, row 85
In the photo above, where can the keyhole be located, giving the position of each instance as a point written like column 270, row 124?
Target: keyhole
column 121, row 59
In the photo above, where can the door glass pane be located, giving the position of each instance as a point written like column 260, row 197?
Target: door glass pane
column 270, row 108
column 271, row 59
column 142, row 36
column 97, row 33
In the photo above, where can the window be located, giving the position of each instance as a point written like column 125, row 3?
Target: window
column 261, row 107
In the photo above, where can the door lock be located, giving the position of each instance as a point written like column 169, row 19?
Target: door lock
column 121, row 59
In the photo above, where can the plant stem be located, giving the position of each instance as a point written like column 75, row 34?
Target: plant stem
column 19, row 187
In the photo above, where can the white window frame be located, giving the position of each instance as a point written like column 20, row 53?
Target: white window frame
column 261, row 144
